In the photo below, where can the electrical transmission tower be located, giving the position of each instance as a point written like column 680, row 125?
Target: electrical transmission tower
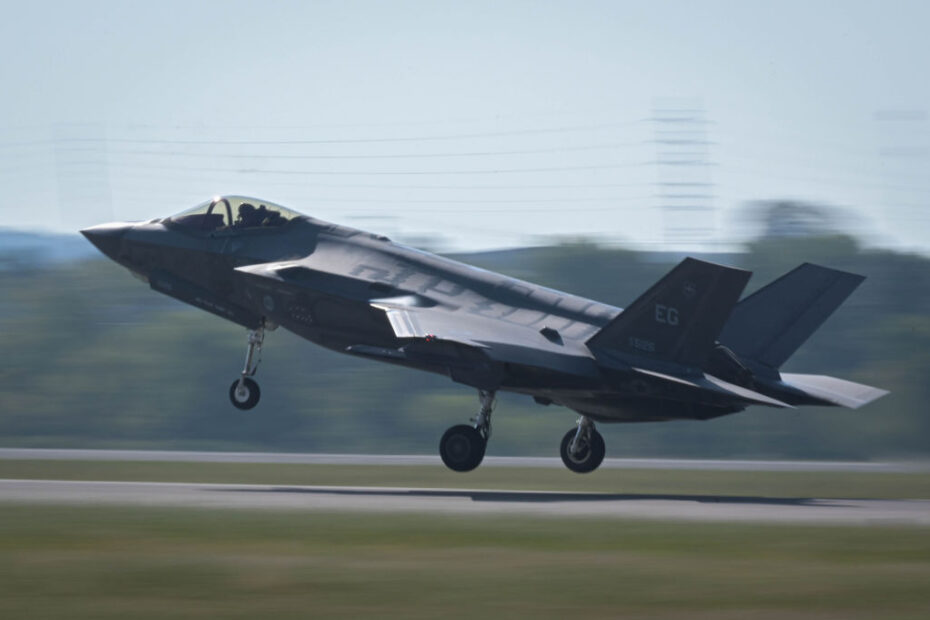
column 684, row 184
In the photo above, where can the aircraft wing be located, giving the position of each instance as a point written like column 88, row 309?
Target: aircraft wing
column 409, row 322
column 498, row 340
column 416, row 317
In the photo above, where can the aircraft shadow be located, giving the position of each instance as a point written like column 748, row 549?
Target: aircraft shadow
column 536, row 497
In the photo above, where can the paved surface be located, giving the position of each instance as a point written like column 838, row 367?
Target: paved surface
column 469, row 502
column 492, row 461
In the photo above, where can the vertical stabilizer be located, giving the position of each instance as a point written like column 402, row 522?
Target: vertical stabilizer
column 679, row 318
column 768, row 326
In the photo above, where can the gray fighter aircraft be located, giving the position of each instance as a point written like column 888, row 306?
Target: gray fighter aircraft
column 688, row 348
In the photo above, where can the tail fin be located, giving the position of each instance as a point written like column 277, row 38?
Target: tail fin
column 768, row 326
column 679, row 318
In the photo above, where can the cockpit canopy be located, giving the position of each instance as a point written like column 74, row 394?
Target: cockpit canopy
column 234, row 213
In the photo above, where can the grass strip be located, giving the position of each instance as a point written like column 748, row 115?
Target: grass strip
column 101, row 563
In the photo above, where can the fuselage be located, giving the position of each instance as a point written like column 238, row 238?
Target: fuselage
column 333, row 285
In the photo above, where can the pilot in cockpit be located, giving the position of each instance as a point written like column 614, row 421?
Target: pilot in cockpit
column 248, row 216
column 272, row 217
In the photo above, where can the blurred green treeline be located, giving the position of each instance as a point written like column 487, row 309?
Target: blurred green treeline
column 93, row 358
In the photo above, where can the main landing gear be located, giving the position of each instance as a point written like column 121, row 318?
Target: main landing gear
column 583, row 448
column 244, row 392
column 462, row 446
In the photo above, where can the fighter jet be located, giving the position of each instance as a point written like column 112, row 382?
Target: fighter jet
column 687, row 348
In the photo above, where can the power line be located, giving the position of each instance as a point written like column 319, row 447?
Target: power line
column 400, row 201
column 834, row 181
column 323, row 203
column 252, row 171
column 559, row 149
column 460, row 136
column 405, row 187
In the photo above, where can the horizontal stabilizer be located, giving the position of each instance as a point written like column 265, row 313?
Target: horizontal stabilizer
column 832, row 390
column 747, row 395
column 713, row 385
column 679, row 318
column 768, row 326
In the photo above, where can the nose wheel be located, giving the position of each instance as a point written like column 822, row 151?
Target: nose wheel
column 244, row 392
column 462, row 447
column 583, row 448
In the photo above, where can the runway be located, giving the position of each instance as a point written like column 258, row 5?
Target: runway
column 420, row 459
column 470, row 502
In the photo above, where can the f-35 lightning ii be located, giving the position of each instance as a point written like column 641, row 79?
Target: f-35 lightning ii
column 687, row 348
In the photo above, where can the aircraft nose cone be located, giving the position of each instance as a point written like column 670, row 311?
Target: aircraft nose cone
column 107, row 238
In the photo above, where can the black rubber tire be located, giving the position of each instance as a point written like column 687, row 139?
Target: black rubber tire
column 590, row 459
column 462, row 448
column 251, row 394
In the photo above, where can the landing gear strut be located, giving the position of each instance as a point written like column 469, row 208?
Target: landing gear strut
column 244, row 392
column 462, row 446
column 583, row 448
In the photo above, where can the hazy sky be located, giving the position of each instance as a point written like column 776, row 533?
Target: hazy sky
column 490, row 122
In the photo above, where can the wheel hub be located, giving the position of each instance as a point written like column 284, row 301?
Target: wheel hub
column 459, row 447
column 580, row 453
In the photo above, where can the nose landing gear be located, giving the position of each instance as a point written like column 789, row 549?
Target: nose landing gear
column 462, row 447
column 244, row 392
